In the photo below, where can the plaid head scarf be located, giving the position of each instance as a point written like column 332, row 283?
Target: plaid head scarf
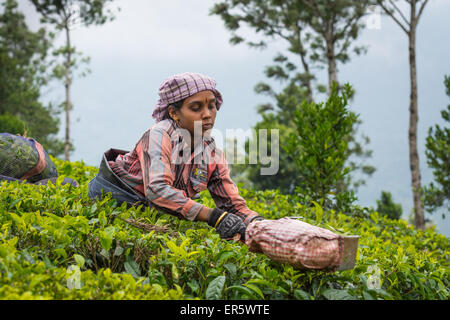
column 180, row 87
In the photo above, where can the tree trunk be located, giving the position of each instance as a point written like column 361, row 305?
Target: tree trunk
column 302, row 53
column 413, row 119
column 67, row 85
column 332, row 69
column 308, row 81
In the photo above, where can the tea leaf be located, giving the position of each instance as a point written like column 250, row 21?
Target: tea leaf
column 118, row 251
column 193, row 284
column 132, row 268
column 79, row 260
column 318, row 211
column 215, row 288
column 246, row 291
column 173, row 247
column 231, row 267
column 61, row 252
column 255, row 289
column 301, row 295
column 223, row 256
column 335, row 294
column 262, row 282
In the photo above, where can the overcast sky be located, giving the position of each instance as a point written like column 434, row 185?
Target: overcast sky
column 151, row 40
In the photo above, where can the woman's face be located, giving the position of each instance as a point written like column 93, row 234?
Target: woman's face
column 199, row 107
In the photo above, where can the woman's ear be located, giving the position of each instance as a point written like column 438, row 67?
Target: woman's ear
column 172, row 113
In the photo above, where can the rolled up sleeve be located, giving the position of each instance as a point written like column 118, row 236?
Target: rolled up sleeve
column 155, row 158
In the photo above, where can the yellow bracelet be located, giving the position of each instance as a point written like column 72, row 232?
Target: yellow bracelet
column 220, row 218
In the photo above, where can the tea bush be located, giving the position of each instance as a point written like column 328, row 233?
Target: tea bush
column 56, row 243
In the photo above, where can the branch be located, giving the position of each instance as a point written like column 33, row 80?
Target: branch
column 344, row 47
column 400, row 12
column 274, row 28
column 421, row 10
column 392, row 16
column 277, row 30
column 313, row 5
column 352, row 21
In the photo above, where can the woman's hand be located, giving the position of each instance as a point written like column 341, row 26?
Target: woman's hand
column 227, row 224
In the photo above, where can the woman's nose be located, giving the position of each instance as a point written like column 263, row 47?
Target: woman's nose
column 207, row 113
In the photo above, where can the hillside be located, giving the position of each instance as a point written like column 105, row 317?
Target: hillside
column 55, row 243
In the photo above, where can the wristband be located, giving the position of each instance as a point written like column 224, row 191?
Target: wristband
column 220, row 218
column 214, row 216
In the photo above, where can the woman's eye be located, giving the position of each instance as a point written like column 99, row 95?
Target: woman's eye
column 198, row 108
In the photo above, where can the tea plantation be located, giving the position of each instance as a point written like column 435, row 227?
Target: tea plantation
column 56, row 243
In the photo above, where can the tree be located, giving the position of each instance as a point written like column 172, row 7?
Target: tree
column 63, row 15
column 438, row 158
column 275, row 19
column 22, row 74
column 336, row 24
column 286, row 178
column 319, row 146
column 386, row 206
column 319, row 32
column 280, row 116
column 296, row 23
column 409, row 26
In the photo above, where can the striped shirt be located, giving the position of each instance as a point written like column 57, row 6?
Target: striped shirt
column 154, row 170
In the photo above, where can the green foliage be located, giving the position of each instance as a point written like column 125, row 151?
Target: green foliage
column 319, row 33
column 387, row 207
column 56, row 243
column 11, row 124
column 438, row 158
column 286, row 178
column 343, row 29
column 215, row 288
column 85, row 12
column 314, row 41
column 281, row 118
column 319, row 146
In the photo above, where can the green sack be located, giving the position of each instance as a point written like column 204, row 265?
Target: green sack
column 25, row 159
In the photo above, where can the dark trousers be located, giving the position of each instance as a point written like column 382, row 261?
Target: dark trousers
column 107, row 181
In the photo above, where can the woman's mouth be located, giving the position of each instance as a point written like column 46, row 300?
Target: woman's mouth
column 207, row 126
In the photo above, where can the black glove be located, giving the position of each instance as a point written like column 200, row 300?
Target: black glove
column 229, row 224
column 254, row 218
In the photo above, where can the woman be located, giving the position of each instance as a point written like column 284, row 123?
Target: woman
column 176, row 159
